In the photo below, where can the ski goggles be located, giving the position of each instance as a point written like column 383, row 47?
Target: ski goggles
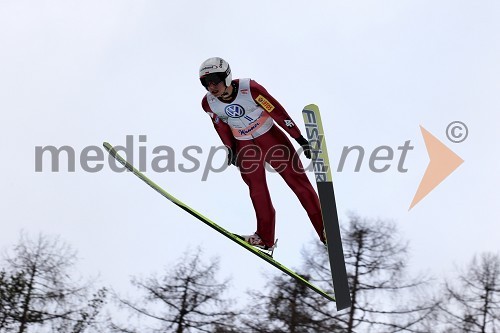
column 212, row 78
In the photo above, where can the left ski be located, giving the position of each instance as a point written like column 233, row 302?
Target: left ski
column 263, row 255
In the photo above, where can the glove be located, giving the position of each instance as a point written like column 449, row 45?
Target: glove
column 231, row 156
column 305, row 145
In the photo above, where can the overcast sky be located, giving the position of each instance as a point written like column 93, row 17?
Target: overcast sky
column 80, row 73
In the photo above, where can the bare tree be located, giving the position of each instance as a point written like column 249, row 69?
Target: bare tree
column 11, row 290
column 86, row 318
column 473, row 302
column 188, row 298
column 41, row 292
column 288, row 306
column 376, row 259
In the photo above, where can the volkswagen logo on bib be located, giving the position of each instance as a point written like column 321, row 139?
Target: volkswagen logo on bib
column 234, row 111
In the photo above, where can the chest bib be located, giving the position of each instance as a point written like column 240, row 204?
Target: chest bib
column 244, row 116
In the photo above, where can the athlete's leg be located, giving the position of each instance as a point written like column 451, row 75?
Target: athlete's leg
column 251, row 163
column 281, row 155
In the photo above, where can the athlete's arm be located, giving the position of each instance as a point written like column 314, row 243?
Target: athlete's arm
column 221, row 127
column 274, row 109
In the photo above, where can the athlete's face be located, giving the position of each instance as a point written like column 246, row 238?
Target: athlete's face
column 216, row 89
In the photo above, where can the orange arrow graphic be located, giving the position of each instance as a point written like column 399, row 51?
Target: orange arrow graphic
column 442, row 162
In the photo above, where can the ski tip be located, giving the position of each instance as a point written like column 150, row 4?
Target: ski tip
column 311, row 107
column 107, row 145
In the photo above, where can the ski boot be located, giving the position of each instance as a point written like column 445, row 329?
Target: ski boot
column 257, row 242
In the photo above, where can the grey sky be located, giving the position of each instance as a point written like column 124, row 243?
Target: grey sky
column 82, row 73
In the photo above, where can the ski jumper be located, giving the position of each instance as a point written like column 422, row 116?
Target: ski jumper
column 245, row 125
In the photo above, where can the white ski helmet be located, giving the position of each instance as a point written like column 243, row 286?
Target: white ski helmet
column 215, row 70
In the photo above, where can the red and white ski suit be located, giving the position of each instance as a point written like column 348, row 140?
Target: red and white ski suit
column 246, row 125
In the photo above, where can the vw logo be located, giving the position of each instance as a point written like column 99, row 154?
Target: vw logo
column 234, row 111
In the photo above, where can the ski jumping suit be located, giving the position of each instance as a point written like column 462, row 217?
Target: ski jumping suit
column 246, row 126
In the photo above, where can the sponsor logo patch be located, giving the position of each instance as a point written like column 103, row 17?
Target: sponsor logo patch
column 266, row 105
column 248, row 129
column 234, row 111
column 214, row 117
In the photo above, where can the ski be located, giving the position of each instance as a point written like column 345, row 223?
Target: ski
column 321, row 164
column 235, row 238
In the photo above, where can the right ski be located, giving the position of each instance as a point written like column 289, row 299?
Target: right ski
column 316, row 137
